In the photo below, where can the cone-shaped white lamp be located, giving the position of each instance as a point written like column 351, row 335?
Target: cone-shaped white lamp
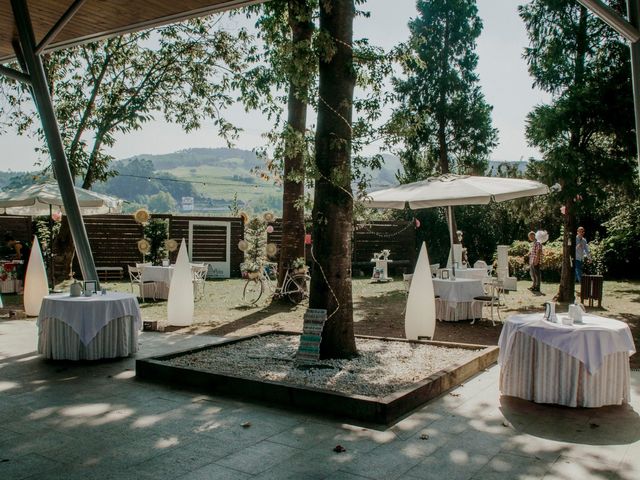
column 420, row 315
column 36, row 286
column 180, row 302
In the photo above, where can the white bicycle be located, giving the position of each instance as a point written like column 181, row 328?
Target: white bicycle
column 295, row 285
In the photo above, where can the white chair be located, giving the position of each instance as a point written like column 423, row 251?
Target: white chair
column 136, row 278
column 145, row 264
column 490, row 298
column 199, row 278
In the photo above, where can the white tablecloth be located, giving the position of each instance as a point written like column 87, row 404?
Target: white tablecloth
column 583, row 365
column 456, row 297
column 162, row 276
column 470, row 273
column 58, row 341
column 590, row 343
column 88, row 315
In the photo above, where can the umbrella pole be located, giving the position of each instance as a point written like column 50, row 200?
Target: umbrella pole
column 450, row 222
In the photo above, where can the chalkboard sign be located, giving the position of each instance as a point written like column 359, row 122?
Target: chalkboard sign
column 309, row 349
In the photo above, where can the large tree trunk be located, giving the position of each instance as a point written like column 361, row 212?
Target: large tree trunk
column 64, row 250
column 333, row 201
column 292, row 244
column 566, row 290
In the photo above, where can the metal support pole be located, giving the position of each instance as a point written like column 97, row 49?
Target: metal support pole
column 54, row 141
column 450, row 222
column 633, row 8
column 15, row 74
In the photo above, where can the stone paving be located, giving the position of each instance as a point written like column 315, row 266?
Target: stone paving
column 63, row 420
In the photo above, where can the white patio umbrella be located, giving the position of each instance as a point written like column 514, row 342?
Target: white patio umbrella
column 451, row 190
column 40, row 199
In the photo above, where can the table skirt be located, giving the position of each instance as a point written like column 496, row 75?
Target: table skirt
column 543, row 374
column 161, row 291
column 58, row 341
column 455, row 311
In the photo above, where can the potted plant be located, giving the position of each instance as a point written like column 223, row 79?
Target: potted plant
column 299, row 265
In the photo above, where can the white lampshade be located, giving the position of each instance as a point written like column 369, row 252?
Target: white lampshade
column 36, row 286
column 180, row 302
column 420, row 315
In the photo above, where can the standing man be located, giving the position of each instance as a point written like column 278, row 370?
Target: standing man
column 535, row 260
column 582, row 253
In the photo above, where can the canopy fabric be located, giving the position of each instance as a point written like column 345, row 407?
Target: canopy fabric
column 40, row 199
column 452, row 190
column 97, row 19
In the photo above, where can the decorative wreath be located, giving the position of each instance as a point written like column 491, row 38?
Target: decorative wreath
column 171, row 245
column 244, row 217
column 144, row 246
column 271, row 249
column 142, row 215
column 243, row 245
column 268, row 217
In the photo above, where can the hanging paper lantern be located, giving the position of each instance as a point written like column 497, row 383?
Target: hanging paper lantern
column 171, row 245
column 563, row 210
column 144, row 246
column 417, row 223
column 271, row 249
column 307, row 239
column 268, row 217
column 270, row 229
column 56, row 216
column 243, row 245
column 142, row 215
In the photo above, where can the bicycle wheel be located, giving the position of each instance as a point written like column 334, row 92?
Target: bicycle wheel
column 297, row 288
column 252, row 291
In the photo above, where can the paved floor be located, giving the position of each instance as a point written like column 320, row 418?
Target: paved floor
column 90, row 421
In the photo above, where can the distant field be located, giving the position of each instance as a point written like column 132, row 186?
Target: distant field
column 222, row 182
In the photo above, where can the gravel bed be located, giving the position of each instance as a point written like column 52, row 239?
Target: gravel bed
column 383, row 367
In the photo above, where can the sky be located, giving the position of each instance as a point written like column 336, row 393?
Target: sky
column 503, row 78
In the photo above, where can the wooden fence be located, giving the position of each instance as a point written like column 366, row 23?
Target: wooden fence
column 369, row 238
column 113, row 239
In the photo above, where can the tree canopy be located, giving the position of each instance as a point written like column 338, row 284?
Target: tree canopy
column 442, row 120
column 185, row 72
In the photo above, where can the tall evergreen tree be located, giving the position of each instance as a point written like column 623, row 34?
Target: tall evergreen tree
column 443, row 121
column 586, row 133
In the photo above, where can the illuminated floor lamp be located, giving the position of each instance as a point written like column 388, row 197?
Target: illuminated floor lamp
column 36, row 286
column 180, row 301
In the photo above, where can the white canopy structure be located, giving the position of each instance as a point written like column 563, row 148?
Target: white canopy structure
column 451, row 190
column 41, row 199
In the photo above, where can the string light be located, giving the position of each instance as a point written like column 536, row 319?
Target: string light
column 167, row 179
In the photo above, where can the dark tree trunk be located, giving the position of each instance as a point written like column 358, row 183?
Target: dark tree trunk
column 566, row 290
column 333, row 201
column 64, row 250
column 292, row 244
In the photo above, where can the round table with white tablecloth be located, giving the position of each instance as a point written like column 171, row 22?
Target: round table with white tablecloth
column 456, row 298
column 471, row 273
column 585, row 365
column 162, row 278
column 88, row 328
